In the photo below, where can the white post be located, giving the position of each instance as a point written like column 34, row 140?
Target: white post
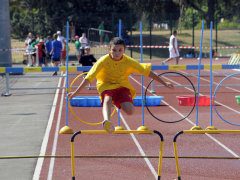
column 7, row 93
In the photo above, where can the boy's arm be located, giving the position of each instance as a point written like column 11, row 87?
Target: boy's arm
column 80, row 87
column 158, row 79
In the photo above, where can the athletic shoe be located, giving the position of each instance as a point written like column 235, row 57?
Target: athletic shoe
column 55, row 73
column 107, row 126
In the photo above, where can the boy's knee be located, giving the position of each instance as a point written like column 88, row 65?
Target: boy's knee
column 129, row 111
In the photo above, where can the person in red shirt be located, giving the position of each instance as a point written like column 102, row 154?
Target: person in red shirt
column 41, row 52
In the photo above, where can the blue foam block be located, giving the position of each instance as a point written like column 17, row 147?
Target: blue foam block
column 150, row 100
column 94, row 101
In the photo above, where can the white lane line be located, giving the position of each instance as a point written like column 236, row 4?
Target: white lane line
column 210, row 136
column 214, row 139
column 54, row 149
column 140, row 148
column 223, row 146
column 39, row 164
column 233, row 89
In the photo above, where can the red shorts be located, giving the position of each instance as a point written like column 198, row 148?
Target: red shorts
column 119, row 95
column 63, row 54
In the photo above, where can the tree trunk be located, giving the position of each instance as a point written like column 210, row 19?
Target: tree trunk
column 211, row 12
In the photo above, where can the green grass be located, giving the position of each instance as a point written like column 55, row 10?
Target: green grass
column 225, row 38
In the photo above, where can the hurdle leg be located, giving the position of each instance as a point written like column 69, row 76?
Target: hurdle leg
column 176, row 155
column 160, row 154
column 72, row 154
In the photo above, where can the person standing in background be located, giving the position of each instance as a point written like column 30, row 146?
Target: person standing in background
column 56, row 52
column 84, row 42
column 87, row 59
column 41, row 53
column 101, row 32
column 173, row 48
column 48, row 47
column 77, row 47
column 63, row 41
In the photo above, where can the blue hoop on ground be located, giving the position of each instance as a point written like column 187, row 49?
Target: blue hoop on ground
column 214, row 96
column 195, row 98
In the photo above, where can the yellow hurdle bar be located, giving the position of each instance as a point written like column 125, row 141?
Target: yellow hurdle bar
column 222, row 131
column 116, row 132
column 96, row 132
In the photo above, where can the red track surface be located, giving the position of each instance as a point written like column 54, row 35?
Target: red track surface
column 188, row 145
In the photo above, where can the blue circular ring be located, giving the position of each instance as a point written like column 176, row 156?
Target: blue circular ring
column 214, row 96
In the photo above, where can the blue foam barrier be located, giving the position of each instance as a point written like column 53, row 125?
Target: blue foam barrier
column 94, row 101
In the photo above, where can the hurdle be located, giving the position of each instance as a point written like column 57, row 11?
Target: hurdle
column 210, row 129
column 234, row 59
column 202, row 132
column 117, row 132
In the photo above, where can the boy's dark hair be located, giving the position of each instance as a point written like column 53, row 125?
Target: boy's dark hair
column 117, row 41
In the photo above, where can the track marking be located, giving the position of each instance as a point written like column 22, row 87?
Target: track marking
column 210, row 136
column 39, row 164
column 140, row 148
column 54, row 148
column 223, row 146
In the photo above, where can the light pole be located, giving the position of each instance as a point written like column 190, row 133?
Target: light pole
column 5, row 35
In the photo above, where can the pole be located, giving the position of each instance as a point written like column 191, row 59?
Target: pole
column 142, row 77
column 216, row 29
column 211, row 76
column 5, row 37
column 150, row 33
column 193, row 24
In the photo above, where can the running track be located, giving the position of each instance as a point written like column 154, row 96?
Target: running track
column 142, row 169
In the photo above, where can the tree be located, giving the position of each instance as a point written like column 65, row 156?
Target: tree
column 212, row 10
column 48, row 17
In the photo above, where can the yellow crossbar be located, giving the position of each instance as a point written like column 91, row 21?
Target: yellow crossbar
column 116, row 132
column 211, row 131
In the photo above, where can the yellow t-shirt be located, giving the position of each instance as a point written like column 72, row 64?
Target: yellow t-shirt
column 112, row 74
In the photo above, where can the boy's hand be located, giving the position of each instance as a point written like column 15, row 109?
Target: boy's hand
column 169, row 85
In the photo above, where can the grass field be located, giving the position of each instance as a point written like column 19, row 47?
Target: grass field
column 225, row 38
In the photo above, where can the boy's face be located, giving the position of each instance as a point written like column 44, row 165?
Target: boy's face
column 116, row 52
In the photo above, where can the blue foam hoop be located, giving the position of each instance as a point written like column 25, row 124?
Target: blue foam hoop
column 214, row 96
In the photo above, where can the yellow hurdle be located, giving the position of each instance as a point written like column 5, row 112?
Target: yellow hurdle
column 196, row 132
column 117, row 132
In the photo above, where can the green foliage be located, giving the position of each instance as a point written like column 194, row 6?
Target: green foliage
column 46, row 17
column 190, row 18
column 229, row 24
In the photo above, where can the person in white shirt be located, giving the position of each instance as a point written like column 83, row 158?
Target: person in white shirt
column 173, row 48
column 63, row 41
column 83, row 41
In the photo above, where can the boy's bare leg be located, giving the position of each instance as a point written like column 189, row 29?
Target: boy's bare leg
column 107, row 106
column 177, row 60
column 163, row 62
column 106, row 111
